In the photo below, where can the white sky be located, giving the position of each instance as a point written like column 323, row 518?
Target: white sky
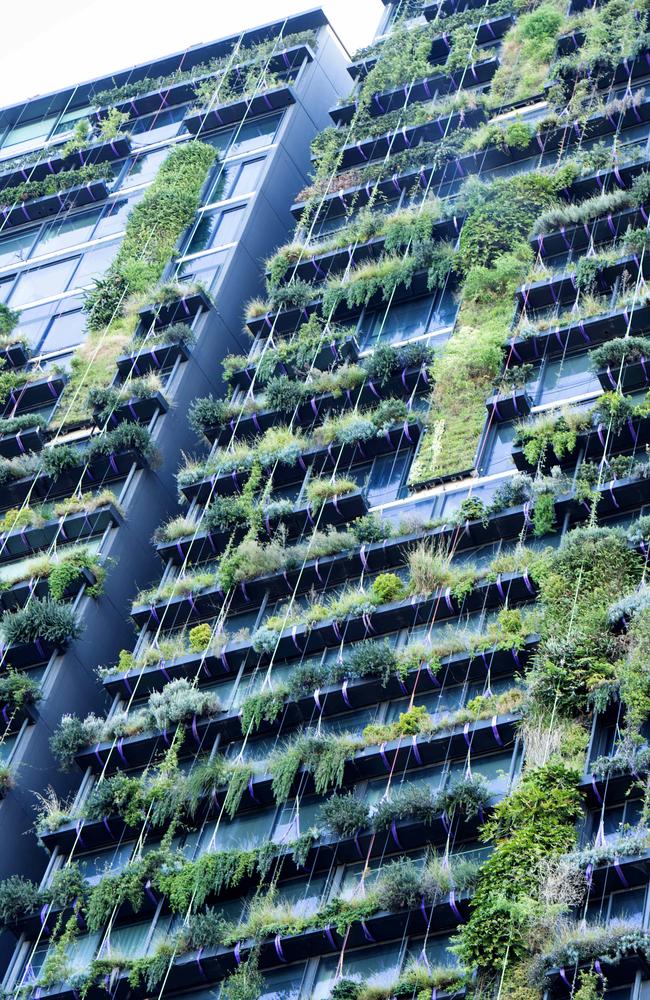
column 50, row 46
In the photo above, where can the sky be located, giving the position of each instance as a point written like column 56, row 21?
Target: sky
column 50, row 46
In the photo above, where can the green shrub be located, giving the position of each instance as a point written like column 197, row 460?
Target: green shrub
column 200, row 637
column 387, row 587
column 41, row 619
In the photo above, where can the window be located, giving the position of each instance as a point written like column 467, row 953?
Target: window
column 626, row 906
column 408, row 320
column 66, row 330
column 296, row 817
column 283, row 984
column 28, row 135
column 497, row 451
column 144, row 168
column 216, row 228
column 96, row 865
column 157, row 127
column 93, row 263
column 115, row 215
column 254, row 135
column 608, row 824
column 15, row 247
column 372, row 966
column 384, row 477
column 566, row 377
column 67, row 120
column 205, row 269
column 243, row 177
column 41, row 282
column 68, row 231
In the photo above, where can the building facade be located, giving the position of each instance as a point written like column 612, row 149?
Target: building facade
column 166, row 184
column 382, row 732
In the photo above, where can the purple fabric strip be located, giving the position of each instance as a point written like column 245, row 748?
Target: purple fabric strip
column 393, row 832
column 454, row 908
column 277, row 942
column 495, row 731
column 344, row 694
column 382, row 752
column 330, row 938
column 366, row 933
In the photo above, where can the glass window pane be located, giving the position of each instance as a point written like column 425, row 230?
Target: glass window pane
column 66, row 330
column 400, row 322
column 93, row 264
column 28, row 132
column 216, row 228
column 15, row 247
column 68, row 118
column 144, row 168
column 127, row 942
column 372, row 966
column 387, row 476
column 205, row 270
column 42, row 282
column 566, row 377
column 156, row 127
column 115, row 215
column 244, row 179
column 283, row 984
column 255, row 134
column 69, row 231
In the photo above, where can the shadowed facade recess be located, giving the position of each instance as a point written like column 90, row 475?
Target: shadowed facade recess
column 370, row 716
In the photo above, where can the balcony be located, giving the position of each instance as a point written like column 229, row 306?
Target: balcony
column 580, row 237
column 422, row 90
column 286, row 320
column 53, row 204
column 23, row 542
column 153, row 358
column 486, row 31
column 275, row 99
column 204, row 545
column 309, row 414
column 318, row 457
column 317, row 266
column 557, row 340
column 177, row 309
column 100, row 152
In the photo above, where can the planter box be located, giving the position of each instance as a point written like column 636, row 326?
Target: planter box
column 321, row 459
column 135, row 411
column 73, row 527
column 634, row 375
column 287, row 320
column 391, row 143
column 276, row 99
column 562, row 287
column 510, row 406
column 310, row 414
column 578, row 238
column 594, row 330
column 561, row 982
column 43, row 487
column 35, row 394
column 181, row 310
column 53, row 204
column 205, row 545
column 29, row 654
column 100, row 152
column 329, row 356
column 19, row 595
column 632, row 435
column 422, row 90
column 15, row 356
column 151, row 359
column 319, row 266
column 30, row 439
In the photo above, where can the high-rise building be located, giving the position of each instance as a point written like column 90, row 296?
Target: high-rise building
column 135, row 212
column 383, row 731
